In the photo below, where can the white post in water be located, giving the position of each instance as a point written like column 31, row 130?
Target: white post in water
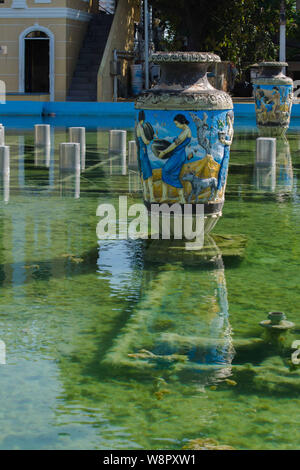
column 2, row 352
column 117, row 142
column 6, row 187
column 266, row 150
column 5, row 170
column 69, row 157
column 42, row 135
column 77, row 135
column 4, row 160
column 2, row 135
column 124, row 165
column 282, row 39
column 132, row 154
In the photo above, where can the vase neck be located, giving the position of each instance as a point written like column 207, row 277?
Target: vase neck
column 181, row 76
column 270, row 72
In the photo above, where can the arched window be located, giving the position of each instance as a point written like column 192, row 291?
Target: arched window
column 36, row 34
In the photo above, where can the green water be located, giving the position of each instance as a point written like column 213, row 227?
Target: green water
column 77, row 314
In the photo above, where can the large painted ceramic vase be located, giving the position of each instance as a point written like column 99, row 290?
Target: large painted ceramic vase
column 273, row 94
column 184, row 129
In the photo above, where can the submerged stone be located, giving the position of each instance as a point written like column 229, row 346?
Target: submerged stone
column 174, row 251
column 233, row 383
column 205, row 444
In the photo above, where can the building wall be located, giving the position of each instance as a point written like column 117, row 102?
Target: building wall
column 58, row 17
column 121, row 37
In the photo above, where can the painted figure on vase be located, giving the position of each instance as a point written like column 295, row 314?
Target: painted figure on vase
column 199, row 185
column 226, row 139
column 203, row 131
column 177, row 150
column 143, row 140
column 273, row 104
column 190, row 166
column 145, row 165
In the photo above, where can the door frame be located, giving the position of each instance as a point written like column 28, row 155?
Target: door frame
column 22, row 37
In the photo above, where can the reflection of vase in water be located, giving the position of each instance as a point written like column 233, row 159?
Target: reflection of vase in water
column 182, row 320
column 220, row 325
column 284, row 165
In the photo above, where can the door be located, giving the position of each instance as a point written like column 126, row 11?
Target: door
column 37, row 63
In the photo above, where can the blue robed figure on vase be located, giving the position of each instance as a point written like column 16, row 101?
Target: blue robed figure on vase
column 177, row 150
column 226, row 141
column 145, row 165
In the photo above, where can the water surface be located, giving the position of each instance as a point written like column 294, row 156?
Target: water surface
column 130, row 345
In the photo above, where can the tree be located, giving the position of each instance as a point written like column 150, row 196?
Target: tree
column 242, row 31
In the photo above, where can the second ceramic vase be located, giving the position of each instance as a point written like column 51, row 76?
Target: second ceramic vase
column 273, row 94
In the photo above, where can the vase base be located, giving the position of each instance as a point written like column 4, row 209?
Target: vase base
column 212, row 213
column 209, row 209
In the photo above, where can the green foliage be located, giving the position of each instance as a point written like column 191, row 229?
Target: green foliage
column 242, row 31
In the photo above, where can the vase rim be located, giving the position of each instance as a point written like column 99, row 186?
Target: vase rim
column 184, row 57
column 273, row 64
